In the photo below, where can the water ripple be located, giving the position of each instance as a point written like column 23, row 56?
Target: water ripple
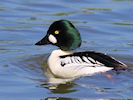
column 105, row 26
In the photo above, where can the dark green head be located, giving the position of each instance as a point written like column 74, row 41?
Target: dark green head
column 63, row 34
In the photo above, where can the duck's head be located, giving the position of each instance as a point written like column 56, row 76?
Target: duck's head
column 63, row 34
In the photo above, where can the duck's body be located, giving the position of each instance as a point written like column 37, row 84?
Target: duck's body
column 67, row 64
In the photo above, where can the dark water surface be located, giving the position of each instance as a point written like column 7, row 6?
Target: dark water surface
column 105, row 26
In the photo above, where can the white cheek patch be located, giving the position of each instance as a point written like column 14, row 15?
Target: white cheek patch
column 52, row 39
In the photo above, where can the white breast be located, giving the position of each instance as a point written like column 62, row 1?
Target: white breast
column 70, row 67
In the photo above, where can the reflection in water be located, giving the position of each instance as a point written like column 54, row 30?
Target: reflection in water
column 98, row 9
column 60, row 98
column 64, row 14
column 130, row 44
column 60, row 88
column 38, row 65
column 123, row 0
column 123, row 23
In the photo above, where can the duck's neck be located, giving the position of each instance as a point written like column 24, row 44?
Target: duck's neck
column 59, row 52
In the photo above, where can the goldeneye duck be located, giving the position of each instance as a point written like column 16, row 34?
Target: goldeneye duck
column 65, row 63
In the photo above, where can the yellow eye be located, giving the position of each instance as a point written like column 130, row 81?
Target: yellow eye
column 56, row 32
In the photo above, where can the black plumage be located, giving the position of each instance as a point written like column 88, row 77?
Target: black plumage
column 100, row 57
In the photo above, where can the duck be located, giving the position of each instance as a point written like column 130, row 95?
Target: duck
column 65, row 63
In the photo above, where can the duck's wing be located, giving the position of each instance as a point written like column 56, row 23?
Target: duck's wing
column 94, row 58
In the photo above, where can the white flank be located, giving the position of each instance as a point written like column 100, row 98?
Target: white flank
column 74, row 67
column 52, row 39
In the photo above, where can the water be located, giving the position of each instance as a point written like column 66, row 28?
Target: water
column 105, row 26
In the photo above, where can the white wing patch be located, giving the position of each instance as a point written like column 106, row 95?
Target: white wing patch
column 79, row 61
column 86, row 60
column 91, row 59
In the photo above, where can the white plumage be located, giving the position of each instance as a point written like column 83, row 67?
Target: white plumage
column 74, row 66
